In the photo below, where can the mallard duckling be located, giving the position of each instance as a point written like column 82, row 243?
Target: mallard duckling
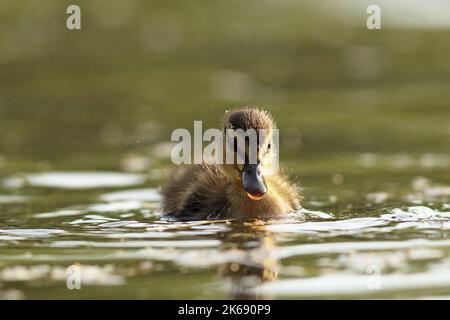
column 233, row 191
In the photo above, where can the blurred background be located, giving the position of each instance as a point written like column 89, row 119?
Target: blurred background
column 138, row 69
column 363, row 118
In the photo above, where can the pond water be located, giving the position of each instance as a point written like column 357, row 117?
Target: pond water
column 85, row 124
column 345, row 243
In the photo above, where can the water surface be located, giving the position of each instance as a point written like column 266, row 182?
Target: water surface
column 349, row 244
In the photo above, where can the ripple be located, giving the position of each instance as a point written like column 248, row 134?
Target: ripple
column 78, row 180
column 142, row 195
column 123, row 223
column 355, row 284
column 344, row 247
column 417, row 213
column 92, row 219
column 12, row 199
column 141, row 235
column 59, row 213
column 89, row 274
column 138, row 244
column 10, row 238
column 419, row 217
column 31, row 233
column 112, row 207
column 316, row 214
column 328, row 226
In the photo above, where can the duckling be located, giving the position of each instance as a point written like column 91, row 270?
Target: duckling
column 233, row 191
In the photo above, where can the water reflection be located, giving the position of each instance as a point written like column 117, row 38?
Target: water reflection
column 258, row 264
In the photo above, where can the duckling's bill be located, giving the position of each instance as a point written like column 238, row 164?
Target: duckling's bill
column 253, row 181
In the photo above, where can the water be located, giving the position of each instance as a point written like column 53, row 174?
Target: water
column 85, row 124
column 123, row 248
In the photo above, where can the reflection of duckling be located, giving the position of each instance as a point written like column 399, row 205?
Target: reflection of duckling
column 233, row 190
column 261, row 265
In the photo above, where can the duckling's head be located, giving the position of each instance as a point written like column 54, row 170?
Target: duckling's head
column 248, row 142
